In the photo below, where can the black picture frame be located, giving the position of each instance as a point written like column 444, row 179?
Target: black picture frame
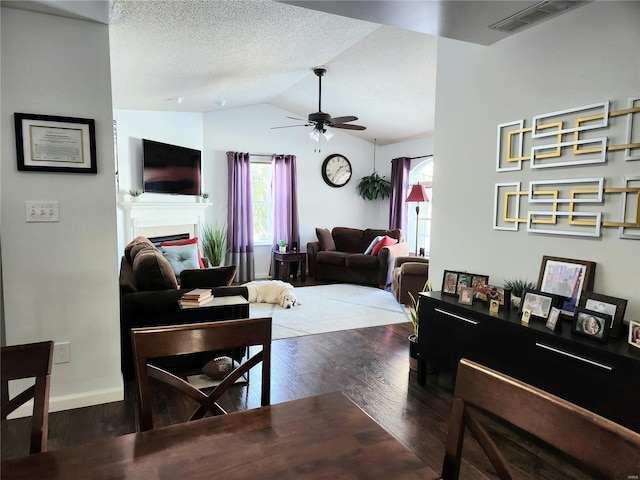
column 552, row 319
column 566, row 277
column 613, row 306
column 592, row 324
column 47, row 143
column 539, row 303
column 453, row 281
column 450, row 282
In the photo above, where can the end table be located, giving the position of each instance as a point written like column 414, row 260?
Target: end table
column 281, row 261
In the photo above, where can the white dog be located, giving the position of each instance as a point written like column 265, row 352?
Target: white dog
column 272, row 291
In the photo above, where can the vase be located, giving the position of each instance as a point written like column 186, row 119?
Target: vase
column 413, row 352
column 515, row 301
column 282, row 249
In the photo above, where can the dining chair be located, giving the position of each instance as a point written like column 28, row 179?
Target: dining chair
column 156, row 342
column 31, row 360
column 607, row 449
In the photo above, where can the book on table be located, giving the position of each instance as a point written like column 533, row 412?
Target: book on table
column 196, row 297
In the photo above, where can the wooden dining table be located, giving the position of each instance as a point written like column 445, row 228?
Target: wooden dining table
column 325, row 436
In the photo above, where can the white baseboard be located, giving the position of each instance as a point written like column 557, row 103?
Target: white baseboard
column 68, row 402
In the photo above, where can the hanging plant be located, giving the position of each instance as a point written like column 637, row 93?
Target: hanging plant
column 373, row 186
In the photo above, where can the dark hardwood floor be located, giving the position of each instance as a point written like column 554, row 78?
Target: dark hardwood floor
column 369, row 365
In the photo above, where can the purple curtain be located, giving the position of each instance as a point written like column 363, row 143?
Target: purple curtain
column 285, row 200
column 399, row 188
column 240, row 216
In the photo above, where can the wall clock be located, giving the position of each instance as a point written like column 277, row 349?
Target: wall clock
column 336, row 170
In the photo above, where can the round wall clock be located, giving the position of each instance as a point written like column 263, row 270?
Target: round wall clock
column 336, row 170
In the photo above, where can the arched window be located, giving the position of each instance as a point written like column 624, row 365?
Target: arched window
column 422, row 173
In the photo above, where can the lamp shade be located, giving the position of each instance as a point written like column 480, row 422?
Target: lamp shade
column 417, row 194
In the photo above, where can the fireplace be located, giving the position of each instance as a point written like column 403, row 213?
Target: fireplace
column 163, row 219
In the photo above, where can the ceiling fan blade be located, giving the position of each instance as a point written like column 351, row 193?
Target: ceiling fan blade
column 296, row 118
column 338, row 120
column 289, row 126
column 349, row 126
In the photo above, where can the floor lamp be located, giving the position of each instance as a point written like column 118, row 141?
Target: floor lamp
column 417, row 194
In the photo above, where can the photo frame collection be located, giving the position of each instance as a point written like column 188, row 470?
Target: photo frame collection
column 564, row 291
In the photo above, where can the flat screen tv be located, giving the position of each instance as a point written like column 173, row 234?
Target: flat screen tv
column 170, row 169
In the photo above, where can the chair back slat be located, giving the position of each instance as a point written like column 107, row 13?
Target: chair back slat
column 157, row 342
column 32, row 360
column 587, row 437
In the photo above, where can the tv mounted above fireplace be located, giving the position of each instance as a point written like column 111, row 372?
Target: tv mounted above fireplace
column 170, row 169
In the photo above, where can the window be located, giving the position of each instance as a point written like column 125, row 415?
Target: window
column 421, row 173
column 261, row 179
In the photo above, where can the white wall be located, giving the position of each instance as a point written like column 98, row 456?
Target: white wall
column 581, row 57
column 248, row 129
column 60, row 280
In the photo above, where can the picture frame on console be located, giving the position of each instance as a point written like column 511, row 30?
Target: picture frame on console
column 606, row 304
column 466, row 296
column 538, row 303
column 566, row 277
column 47, row 143
column 634, row 334
column 592, row 324
column 450, row 282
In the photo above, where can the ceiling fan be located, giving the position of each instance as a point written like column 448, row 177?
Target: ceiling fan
column 321, row 120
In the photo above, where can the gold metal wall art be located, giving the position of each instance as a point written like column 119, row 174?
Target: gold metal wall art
column 570, row 137
column 574, row 207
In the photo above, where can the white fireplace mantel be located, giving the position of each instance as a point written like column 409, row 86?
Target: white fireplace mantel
column 140, row 215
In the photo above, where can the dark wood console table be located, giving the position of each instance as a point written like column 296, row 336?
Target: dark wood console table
column 604, row 378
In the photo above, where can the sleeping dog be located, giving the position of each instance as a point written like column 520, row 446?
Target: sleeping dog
column 272, row 291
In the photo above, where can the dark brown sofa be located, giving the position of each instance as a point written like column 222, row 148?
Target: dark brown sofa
column 340, row 256
column 149, row 294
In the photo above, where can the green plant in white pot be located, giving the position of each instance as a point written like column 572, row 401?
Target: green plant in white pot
column 214, row 243
column 282, row 245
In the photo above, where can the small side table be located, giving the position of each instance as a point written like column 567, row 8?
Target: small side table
column 281, row 261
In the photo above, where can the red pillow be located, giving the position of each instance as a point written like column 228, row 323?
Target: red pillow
column 188, row 241
column 385, row 242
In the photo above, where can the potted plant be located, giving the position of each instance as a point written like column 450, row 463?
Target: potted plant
column 205, row 197
column 415, row 320
column 517, row 287
column 373, row 186
column 135, row 193
column 282, row 246
column 214, row 243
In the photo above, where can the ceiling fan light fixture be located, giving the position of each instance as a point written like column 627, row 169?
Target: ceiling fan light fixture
column 328, row 134
column 314, row 135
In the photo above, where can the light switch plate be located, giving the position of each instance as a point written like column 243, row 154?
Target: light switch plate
column 42, row 211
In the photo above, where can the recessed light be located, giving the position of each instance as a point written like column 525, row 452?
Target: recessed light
column 222, row 103
column 176, row 99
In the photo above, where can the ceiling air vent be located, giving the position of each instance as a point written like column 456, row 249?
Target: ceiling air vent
column 535, row 14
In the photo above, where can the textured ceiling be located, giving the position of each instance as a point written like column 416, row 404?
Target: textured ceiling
column 248, row 52
column 252, row 52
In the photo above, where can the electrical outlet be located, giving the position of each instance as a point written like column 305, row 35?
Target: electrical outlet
column 62, row 352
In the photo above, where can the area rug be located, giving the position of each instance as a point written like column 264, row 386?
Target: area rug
column 331, row 308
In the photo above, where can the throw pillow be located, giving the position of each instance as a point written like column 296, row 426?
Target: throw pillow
column 373, row 244
column 135, row 245
column 153, row 272
column 182, row 257
column 187, row 241
column 325, row 239
column 385, row 242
